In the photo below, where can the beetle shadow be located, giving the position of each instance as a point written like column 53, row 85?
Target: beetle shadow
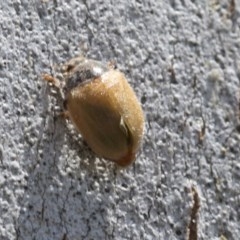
column 68, row 190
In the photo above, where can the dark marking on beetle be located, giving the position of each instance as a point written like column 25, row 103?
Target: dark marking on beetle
column 80, row 71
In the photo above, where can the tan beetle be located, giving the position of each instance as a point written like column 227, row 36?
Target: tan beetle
column 103, row 107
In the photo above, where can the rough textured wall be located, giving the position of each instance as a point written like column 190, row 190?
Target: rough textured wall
column 182, row 58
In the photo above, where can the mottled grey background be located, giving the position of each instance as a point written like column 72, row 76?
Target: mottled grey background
column 182, row 57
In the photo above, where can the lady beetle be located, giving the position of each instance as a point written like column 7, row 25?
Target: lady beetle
column 103, row 107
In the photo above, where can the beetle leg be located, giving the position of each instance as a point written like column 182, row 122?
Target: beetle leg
column 112, row 64
column 64, row 114
column 65, row 104
column 56, row 83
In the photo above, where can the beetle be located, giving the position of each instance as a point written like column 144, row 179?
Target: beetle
column 103, row 107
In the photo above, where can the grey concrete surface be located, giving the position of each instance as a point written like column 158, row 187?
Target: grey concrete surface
column 182, row 58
